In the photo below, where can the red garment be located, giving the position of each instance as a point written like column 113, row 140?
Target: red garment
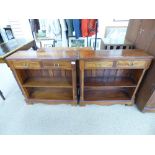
column 84, row 27
column 88, row 27
column 92, row 27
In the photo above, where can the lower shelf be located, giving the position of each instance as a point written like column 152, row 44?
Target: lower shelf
column 48, row 82
column 50, row 93
column 108, row 94
column 109, row 81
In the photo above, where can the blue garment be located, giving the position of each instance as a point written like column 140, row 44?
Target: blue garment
column 77, row 27
column 70, row 27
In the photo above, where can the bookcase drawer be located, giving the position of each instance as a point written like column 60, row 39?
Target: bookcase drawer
column 100, row 64
column 57, row 64
column 138, row 63
column 26, row 64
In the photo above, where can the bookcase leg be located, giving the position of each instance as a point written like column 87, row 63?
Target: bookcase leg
column 28, row 102
column 82, row 104
column 129, row 103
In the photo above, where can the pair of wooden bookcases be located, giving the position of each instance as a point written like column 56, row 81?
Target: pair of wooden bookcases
column 79, row 76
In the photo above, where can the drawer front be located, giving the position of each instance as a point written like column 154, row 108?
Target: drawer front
column 19, row 64
column 35, row 65
column 26, row 64
column 96, row 64
column 57, row 64
column 139, row 63
column 124, row 63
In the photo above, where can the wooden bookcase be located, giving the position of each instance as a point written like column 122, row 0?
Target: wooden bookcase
column 79, row 75
column 110, row 77
column 47, row 76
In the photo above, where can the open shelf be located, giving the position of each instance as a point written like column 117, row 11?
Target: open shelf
column 108, row 94
column 59, row 82
column 50, row 93
column 109, row 81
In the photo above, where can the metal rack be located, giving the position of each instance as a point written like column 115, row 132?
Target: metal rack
column 96, row 34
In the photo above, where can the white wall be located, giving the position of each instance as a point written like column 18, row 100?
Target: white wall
column 103, row 23
column 21, row 28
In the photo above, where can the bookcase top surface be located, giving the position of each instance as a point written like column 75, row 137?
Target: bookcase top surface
column 79, row 53
column 46, row 53
column 115, row 54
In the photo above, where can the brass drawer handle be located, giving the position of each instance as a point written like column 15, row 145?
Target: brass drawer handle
column 132, row 63
column 25, row 64
column 56, row 65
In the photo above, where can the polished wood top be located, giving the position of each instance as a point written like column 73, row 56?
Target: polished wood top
column 47, row 53
column 115, row 54
column 78, row 53
column 12, row 46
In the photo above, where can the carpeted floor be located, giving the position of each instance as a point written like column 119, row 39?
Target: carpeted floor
column 18, row 118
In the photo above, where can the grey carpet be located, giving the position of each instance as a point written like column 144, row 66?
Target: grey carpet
column 16, row 117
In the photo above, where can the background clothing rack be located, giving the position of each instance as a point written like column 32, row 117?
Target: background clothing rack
column 87, row 42
column 96, row 34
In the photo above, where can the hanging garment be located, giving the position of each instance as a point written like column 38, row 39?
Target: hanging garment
column 88, row 27
column 63, row 32
column 42, row 23
column 53, row 29
column 84, row 27
column 92, row 27
column 70, row 28
column 77, row 27
column 34, row 25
